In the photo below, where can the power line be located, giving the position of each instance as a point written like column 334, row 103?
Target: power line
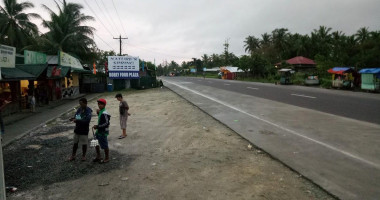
column 106, row 16
column 157, row 52
column 104, row 42
column 98, row 18
column 109, row 16
column 119, row 17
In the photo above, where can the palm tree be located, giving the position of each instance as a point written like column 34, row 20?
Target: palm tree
column 362, row 35
column 266, row 39
column 252, row 44
column 205, row 60
column 280, row 41
column 67, row 32
column 16, row 29
column 321, row 40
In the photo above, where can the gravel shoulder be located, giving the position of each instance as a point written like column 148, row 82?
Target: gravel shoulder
column 173, row 151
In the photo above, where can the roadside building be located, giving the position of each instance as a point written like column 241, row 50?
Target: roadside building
column 230, row 72
column 300, row 64
column 370, row 78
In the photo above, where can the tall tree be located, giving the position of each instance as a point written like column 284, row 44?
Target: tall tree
column 67, row 32
column 362, row 35
column 280, row 41
column 252, row 44
column 16, row 29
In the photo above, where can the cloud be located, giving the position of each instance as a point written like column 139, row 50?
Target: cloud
column 179, row 30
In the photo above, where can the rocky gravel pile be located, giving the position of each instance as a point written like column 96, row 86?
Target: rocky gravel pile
column 40, row 159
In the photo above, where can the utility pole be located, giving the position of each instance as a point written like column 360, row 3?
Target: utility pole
column 120, row 40
column 2, row 182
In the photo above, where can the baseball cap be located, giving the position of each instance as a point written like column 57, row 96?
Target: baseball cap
column 103, row 101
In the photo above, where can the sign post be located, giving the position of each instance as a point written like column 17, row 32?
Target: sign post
column 7, row 57
column 123, row 67
column 67, row 60
column 32, row 57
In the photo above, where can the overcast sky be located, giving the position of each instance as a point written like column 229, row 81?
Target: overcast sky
column 181, row 29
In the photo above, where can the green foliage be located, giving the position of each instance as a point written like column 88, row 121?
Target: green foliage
column 16, row 29
column 67, row 32
column 299, row 78
column 326, row 82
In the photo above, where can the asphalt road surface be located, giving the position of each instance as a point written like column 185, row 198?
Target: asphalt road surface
column 329, row 136
column 355, row 105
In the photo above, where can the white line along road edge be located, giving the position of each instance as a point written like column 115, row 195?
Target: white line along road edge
column 252, row 88
column 301, row 95
column 283, row 128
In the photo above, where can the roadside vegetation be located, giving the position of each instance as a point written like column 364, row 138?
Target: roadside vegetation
column 328, row 48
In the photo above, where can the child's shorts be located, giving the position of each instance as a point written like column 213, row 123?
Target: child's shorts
column 103, row 142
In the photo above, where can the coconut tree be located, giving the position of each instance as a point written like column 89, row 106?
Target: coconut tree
column 280, row 38
column 362, row 35
column 16, row 29
column 252, row 44
column 67, row 32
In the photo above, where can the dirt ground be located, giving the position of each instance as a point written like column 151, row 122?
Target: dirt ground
column 173, row 151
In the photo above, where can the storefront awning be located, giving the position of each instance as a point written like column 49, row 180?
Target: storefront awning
column 14, row 74
column 80, row 71
column 35, row 69
column 57, row 72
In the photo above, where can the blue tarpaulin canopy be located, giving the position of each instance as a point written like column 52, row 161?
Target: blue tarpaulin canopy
column 371, row 71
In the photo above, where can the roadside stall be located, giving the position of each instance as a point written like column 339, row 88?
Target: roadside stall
column 343, row 77
column 370, row 78
column 286, row 76
column 10, row 89
column 230, row 73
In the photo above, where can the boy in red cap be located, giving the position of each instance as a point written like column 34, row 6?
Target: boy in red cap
column 102, row 131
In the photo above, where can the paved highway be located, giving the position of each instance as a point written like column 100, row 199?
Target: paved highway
column 329, row 136
column 355, row 105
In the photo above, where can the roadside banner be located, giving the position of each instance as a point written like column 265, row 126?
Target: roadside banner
column 7, row 56
column 32, row 57
column 65, row 59
column 123, row 67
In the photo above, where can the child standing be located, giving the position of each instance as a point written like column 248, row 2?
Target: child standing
column 33, row 104
column 102, row 131
column 123, row 110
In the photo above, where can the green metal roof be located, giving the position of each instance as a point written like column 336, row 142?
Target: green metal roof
column 14, row 74
column 81, row 71
column 35, row 69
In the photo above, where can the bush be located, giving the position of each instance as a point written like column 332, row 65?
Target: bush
column 299, row 78
column 326, row 83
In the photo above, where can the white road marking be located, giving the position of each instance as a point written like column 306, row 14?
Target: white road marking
column 301, row 95
column 252, row 88
column 283, row 128
column 227, row 84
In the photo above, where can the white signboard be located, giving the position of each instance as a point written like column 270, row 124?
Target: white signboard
column 123, row 67
column 68, row 60
column 7, row 56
